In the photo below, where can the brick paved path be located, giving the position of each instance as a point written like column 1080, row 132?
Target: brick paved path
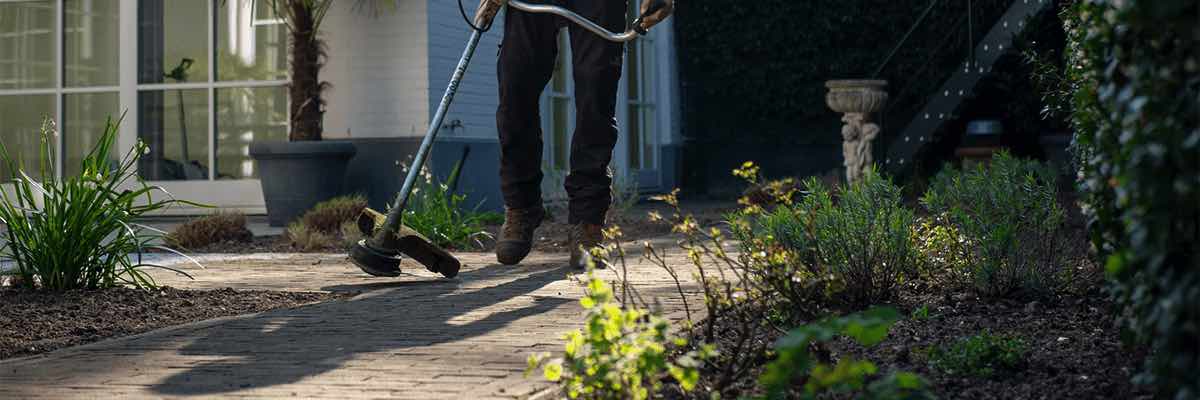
column 416, row 336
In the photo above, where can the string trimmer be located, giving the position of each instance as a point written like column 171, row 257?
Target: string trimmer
column 389, row 238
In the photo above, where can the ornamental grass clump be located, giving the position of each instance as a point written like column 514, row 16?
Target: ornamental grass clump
column 78, row 232
column 221, row 227
column 328, row 225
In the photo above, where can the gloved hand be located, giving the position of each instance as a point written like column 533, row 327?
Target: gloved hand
column 653, row 12
column 487, row 12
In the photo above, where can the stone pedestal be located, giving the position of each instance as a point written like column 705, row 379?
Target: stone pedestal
column 857, row 100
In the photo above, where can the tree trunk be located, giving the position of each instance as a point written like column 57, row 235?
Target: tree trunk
column 308, row 54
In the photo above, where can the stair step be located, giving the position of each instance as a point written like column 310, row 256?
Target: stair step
column 944, row 104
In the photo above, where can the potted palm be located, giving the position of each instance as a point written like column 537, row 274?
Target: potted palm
column 304, row 170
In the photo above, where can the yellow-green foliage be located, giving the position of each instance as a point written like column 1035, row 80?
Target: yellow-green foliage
column 620, row 354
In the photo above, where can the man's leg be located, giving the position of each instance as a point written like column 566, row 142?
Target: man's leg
column 597, row 64
column 527, row 55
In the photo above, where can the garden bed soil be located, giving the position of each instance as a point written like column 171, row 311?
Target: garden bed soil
column 35, row 322
column 1073, row 349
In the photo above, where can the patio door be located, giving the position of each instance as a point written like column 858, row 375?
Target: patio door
column 636, row 157
column 638, row 150
column 196, row 80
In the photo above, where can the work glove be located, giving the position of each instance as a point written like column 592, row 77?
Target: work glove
column 487, row 12
column 653, row 12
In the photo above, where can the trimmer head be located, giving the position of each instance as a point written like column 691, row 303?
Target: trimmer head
column 380, row 255
column 374, row 262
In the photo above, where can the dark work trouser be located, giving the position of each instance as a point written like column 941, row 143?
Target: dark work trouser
column 527, row 56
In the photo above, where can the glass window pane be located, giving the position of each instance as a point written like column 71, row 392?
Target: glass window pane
column 85, row 116
column 90, row 42
column 245, row 115
column 174, row 123
column 559, row 131
column 27, row 47
column 635, row 136
column 648, row 139
column 251, row 44
column 632, row 71
column 21, row 129
column 648, row 70
column 173, row 45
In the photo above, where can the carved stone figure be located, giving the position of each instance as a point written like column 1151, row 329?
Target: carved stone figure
column 857, row 99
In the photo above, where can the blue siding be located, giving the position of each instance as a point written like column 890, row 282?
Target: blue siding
column 476, row 101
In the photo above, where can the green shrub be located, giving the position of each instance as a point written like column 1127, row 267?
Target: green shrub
column 440, row 215
column 848, row 375
column 862, row 236
column 980, row 355
column 329, row 216
column 1013, row 227
column 1133, row 93
column 79, row 231
column 207, row 230
column 620, row 353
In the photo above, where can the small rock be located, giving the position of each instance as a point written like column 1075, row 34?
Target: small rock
column 1062, row 339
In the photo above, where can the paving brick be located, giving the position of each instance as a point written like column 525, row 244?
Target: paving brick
column 415, row 336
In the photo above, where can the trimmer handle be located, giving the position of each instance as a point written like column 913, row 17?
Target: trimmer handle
column 655, row 6
column 586, row 23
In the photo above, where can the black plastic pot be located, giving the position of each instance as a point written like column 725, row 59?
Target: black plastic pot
column 298, row 175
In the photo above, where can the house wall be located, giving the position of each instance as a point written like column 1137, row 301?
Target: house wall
column 378, row 70
column 475, row 104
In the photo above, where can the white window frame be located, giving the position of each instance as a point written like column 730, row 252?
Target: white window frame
column 242, row 194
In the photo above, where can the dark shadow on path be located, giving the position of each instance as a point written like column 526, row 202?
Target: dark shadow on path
column 286, row 346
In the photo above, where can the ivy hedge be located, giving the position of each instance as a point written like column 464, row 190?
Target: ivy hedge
column 1133, row 95
column 760, row 66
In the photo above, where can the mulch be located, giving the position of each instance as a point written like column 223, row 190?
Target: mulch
column 1073, row 346
column 35, row 322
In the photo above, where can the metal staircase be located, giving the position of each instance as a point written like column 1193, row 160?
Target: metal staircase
column 943, row 104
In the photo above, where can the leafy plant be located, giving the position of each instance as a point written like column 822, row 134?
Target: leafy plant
column 207, row 230
column 921, row 313
column 1132, row 91
column 1008, row 214
column 861, row 237
column 943, row 259
column 79, row 231
column 620, row 353
column 440, row 215
column 795, row 360
column 980, row 355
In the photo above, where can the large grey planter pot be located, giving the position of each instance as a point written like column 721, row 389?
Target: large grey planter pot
column 298, row 175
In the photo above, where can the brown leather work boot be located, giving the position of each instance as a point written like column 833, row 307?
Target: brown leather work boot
column 583, row 238
column 516, row 236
